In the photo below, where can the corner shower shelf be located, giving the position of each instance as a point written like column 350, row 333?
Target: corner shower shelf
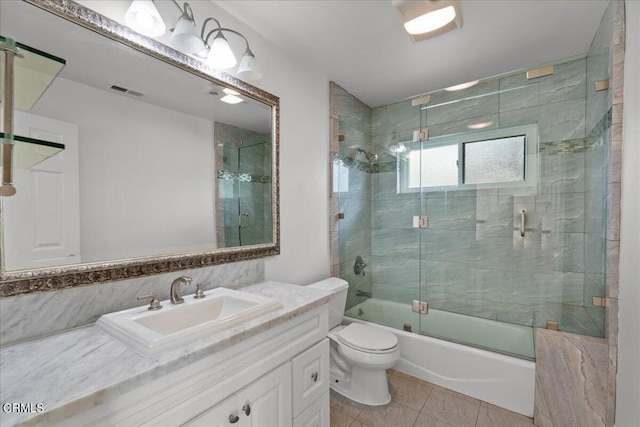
column 34, row 70
column 28, row 152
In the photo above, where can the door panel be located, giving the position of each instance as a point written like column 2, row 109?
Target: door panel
column 42, row 221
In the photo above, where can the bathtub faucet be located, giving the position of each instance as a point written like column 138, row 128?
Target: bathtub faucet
column 359, row 266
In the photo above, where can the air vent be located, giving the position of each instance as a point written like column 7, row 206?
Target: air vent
column 125, row 90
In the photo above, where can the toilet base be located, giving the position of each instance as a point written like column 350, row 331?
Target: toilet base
column 365, row 386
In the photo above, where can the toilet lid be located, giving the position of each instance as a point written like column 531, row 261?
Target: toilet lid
column 367, row 338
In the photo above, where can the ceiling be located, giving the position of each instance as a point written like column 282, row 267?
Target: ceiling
column 362, row 46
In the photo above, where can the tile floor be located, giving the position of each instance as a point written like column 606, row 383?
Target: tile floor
column 421, row 404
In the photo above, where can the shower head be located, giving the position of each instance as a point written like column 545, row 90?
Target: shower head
column 370, row 158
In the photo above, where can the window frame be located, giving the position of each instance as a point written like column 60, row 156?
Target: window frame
column 531, row 142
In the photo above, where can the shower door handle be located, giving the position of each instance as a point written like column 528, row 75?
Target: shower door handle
column 523, row 218
column 242, row 223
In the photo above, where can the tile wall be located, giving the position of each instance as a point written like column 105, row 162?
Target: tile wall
column 471, row 259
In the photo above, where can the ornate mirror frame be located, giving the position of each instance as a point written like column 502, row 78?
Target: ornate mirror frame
column 56, row 278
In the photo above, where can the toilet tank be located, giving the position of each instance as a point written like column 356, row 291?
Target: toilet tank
column 338, row 299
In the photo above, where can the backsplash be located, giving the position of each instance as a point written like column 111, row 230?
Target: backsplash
column 30, row 316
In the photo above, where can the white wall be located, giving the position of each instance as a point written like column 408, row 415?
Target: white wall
column 304, row 156
column 628, row 386
column 131, row 202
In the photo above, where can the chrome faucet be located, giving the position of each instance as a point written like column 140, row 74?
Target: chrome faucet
column 176, row 298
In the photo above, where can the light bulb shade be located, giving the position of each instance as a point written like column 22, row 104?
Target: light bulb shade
column 248, row 68
column 220, row 55
column 185, row 36
column 424, row 19
column 143, row 17
column 430, row 21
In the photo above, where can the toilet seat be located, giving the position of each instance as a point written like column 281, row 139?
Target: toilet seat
column 367, row 339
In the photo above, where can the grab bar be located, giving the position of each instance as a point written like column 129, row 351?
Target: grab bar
column 523, row 216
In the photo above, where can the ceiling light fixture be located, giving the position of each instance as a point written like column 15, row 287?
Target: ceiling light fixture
column 143, row 17
column 424, row 19
column 462, row 86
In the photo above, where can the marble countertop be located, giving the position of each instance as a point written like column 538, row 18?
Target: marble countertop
column 75, row 370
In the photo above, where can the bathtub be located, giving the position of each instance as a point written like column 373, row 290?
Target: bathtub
column 499, row 379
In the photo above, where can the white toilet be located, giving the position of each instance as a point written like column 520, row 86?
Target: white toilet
column 360, row 354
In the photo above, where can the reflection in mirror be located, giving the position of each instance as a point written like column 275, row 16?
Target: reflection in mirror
column 154, row 163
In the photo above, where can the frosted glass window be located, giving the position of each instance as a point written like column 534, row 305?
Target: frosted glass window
column 494, row 160
column 433, row 167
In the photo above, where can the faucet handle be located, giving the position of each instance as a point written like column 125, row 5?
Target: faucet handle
column 199, row 291
column 154, row 304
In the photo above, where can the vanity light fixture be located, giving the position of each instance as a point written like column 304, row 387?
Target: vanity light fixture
column 462, row 86
column 143, row 17
column 424, row 19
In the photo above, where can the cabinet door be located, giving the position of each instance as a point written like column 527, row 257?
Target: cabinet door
column 224, row 414
column 310, row 376
column 316, row 415
column 267, row 402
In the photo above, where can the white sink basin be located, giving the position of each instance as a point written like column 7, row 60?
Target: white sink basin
column 151, row 332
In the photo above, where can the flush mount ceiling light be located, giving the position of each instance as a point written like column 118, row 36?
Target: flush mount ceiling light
column 480, row 125
column 143, row 17
column 462, row 86
column 424, row 19
column 231, row 96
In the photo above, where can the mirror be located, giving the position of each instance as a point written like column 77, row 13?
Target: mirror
column 156, row 174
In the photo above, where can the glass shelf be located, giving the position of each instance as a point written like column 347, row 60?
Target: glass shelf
column 28, row 152
column 34, row 70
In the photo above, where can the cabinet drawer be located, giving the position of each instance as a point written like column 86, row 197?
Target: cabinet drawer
column 310, row 376
column 316, row 415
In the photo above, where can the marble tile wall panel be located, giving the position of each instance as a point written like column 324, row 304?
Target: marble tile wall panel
column 394, row 118
column 399, row 243
column 562, row 173
column 560, row 212
column 403, row 292
column 524, row 116
column 395, row 213
column 595, row 253
column 465, row 109
column 394, row 271
column 562, row 120
column 568, row 82
column 519, row 97
column 611, row 268
column 460, row 126
column 580, row 398
column 357, row 214
column 351, row 110
column 450, row 213
column 353, row 243
column 353, row 139
column 30, row 316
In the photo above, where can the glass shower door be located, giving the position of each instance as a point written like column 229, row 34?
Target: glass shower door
column 254, row 191
column 467, row 222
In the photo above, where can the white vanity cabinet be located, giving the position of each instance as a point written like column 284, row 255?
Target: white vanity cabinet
column 266, row 402
column 276, row 378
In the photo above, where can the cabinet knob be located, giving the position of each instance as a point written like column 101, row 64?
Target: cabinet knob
column 247, row 409
column 233, row 418
column 314, row 377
